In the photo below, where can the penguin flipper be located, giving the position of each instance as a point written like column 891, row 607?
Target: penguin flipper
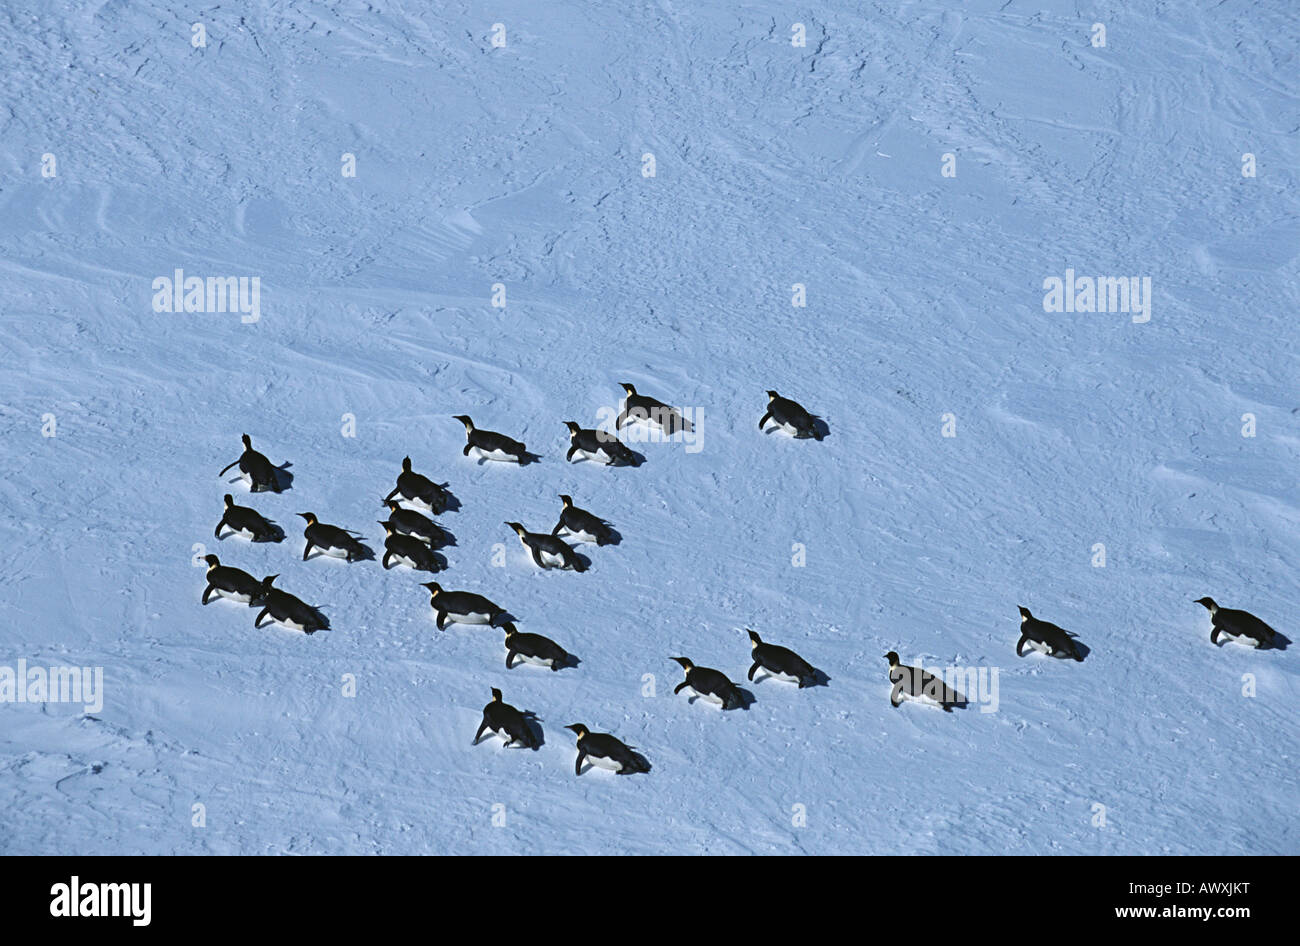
column 478, row 735
column 306, row 551
column 465, row 452
column 767, row 415
column 753, row 670
column 257, row 622
column 216, row 533
column 228, row 466
column 895, row 696
column 537, row 557
column 387, row 556
column 510, row 660
column 618, row 422
column 569, row 456
column 207, row 592
column 391, row 495
column 681, row 686
column 442, row 620
column 577, row 767
column 1214, row 636
column 1020, row 645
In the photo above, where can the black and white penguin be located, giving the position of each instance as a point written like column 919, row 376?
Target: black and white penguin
column 606, row 752
column 639, row 407
column 407, row 550
column 711, row 684
column 1240, row 626
column 533, row 649
column 492, row 445
column 548, row 551
column 505, row 721
column 257, row 469
column 414, row 488
column 598, row 445
column 1045, row 638
column 229, row 582
column 288, row 610
column 780, row 662
column 331, row 540
column 581, row 525
column 791, row 416
column 920, row 684
column 248, row 522
column 461, row 607
column 410, row 522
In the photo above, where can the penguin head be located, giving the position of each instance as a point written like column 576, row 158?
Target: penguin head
column 229, row 500
column 567, row 500
column 754, row 639
column 392, row 504
column 1025, row 615
column 580, row 729
column 892, row 657
column 509, row 628
column 686, row 664
column 519, row 529
column 573, row 426
column 406, row 464
column 496, row 695
column 248, row 441
column 269, row 580
column 464, row 419
column 388, row 527
column 309, row 516
column 435, row 589
column 628, row 389
column 1208, row 603
column 212, row 561
column 772, row 395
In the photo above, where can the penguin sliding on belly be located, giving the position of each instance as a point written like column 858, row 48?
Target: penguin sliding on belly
column 548, row 551
column 533, row 649
column 505, row 721
column 917, row 684
column 491, row 445
column 288, row 610
column 780, row 662
column 461, row 607
column 257, row 469
column 603, row 750
column 414, row 488
column 645, row 409
column 409, row 522
column 711, row 684
column 581, row 525
column 331, row 540
column 791, row 417
column 1046, row 638
column 407, row 550
column 248, row 522
column 1239, row 626
column 598, row 445
column 232, row 583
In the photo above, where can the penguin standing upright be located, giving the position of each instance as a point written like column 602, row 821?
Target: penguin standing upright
column 598, row 445
column 919, row 684
column 533, row 648
column 1046, row 638
column 410, row 522
column 791, row 416
column 780, row 662
column 492, row 445
column 414, row 488
column 606, row 752
column 248, row 522
column 507, row 722
column 331, row 540
column 548, row 551
column 461, row 607
column 582, row 525
column 261, row 475
column 288, row 610
column 233, row 583
column 642, row 407
column 407, row 550
column 1239, row 626
column 711, row 684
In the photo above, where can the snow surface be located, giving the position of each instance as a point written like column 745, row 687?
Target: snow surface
column 775, row 165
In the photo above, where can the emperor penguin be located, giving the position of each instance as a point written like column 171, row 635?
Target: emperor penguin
column 597, row 445
column 507, row 722
column 407, row 550
column 533, row 649
column 288, row 610
column 918, row 684
column 605, row 751
column 248, row 522
column 461, row 607
column 780, row 662
column 410, row 522
column 581, row 525
column 711, row 684
column 1240, row 626
column 229, row 582
column 548, row 551
column 641, row 407
column 1046, row 638
column 791, row 416
column 257, row 469
column 414, row 488
column 331, row 540
column 492, row 445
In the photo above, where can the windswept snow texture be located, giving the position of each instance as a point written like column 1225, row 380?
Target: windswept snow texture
column 774, row 164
